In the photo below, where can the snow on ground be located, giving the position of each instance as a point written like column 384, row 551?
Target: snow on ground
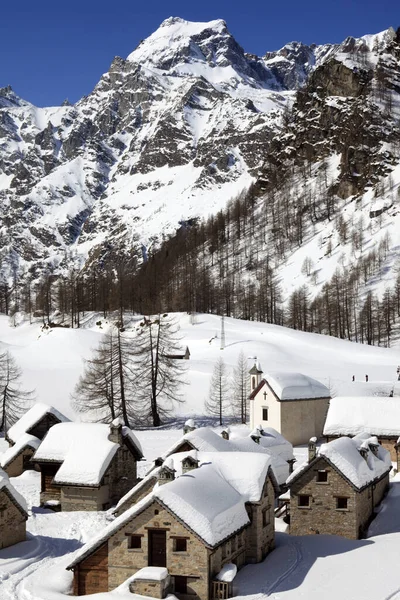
column 312, row 567
column 51, row 360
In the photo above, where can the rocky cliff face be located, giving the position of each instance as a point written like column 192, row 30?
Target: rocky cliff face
column 171, row 133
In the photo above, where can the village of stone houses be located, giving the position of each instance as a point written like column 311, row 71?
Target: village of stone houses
column 301, row 500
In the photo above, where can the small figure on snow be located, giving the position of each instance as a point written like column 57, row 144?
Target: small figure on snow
column 366, row 378
column 354, row 378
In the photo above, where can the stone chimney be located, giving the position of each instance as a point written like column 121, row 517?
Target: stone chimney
column 255, row 436
column 291, row 462
column 115, row 434
column 189, row 426
column 225, row 434
column 165, row 475
column 312, row 449
column 158, row 461
column 373, row 445
column 189, row 463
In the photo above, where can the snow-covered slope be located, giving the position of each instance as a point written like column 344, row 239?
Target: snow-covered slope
column 51, row 360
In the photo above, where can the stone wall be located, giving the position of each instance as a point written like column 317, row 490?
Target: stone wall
column 122, row 474
column 12, row 522
column 123, row 562
column 260, row 535
column 16, row 466
column 134, row 499
column 322, row 516
column 150, row 587
column 84, row 498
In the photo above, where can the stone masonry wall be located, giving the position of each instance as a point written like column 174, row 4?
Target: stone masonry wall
column 122, row 474
column 322, row 516
column 123, row 562
column 84, row 498
column 12, row 522
column 144, row 490
column 260, row 538
column 16, row 467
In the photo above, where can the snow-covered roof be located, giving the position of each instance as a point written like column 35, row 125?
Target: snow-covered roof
column 343, row 453
column 31, row 418
column 152, row 476
column 24, row 441
column 203, row 439
column 295, row 386
column 83, row 449
column 5, row 486
column 352, row 415
column 209, row 505
column 272, row 444
column 245, row 472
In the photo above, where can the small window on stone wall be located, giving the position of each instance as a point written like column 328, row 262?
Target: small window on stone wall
column 341, row 503
column 180, row 545
column 134, row 542
column 265, row 517
column 322, row 476
column 303, row 501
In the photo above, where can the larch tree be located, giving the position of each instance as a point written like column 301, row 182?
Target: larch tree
column 219, row 391
column 103, row 388
column 14, row 400
column 157, row 375
column 241, row 389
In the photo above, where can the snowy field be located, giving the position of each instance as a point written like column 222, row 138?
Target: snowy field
column 312, row 567
column 51, row 360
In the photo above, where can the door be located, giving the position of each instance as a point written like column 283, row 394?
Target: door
column 157, row 548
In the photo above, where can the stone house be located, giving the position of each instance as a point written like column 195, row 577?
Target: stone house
column 337, row 491
column 25, row 435
column 179, row 353
column 198, row 443
column 17, row 458
column 292, row 403
column 191, row 526
column 377, row 415
column 36, row 422
column 263, row 441
column 87, row 466
column 13, row 514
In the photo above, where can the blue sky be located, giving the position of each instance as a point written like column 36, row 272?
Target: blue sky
column 53, row 50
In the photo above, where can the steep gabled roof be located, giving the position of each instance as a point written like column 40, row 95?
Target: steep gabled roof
column 32, row 418
column 23, row 442
column 344, row 456
column 292, row 386
column 83, row 449
column 11, row 492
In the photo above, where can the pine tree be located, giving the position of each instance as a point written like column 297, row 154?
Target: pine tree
column 241, row 389
column 219, row 391
column 14, row 400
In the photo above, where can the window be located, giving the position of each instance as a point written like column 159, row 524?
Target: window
column 265, row 517
column 322, row 476
column 341, row 503
column 303, row 501
column 180, row 584
column 134, row 542
column 265, row 414
column 253, row 383
column 180, row 545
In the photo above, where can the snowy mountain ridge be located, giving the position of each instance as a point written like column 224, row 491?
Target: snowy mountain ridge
column 169, row 134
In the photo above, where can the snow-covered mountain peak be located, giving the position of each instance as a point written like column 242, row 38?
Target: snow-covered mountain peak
column 182, row 48
column 8, row 98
